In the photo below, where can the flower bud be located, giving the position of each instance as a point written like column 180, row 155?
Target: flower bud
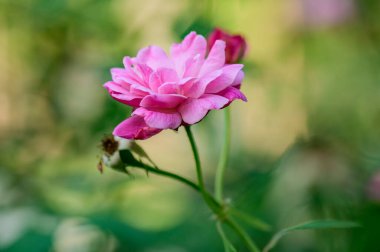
column 111, row 146
column 236, row 45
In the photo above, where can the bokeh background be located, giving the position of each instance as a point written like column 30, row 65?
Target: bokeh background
column 305, row 146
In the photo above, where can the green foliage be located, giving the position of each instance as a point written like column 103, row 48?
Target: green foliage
column 312, row 225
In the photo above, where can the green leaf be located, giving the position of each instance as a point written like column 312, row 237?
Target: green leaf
column 128, row 159
column 316, row 224
column 251, row 220
column 137, row 149
column 228, row 247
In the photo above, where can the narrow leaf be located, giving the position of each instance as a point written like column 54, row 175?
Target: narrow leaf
column 251, row 220
column 316, row 224
column 128, row 159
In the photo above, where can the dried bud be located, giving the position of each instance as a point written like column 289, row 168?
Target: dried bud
column 111, row 145
column 236, row 45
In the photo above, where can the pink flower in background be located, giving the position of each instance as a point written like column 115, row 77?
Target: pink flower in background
column 373, row 188
column 169, row 91
column 235, row 44
column 321, row 13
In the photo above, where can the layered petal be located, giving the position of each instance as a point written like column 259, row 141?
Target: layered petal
column 161, row 76
column 159, row 120
column 134, row 127
column 193, row 110
column 198, row 87
column 226, row 79
column 193, row 46
column 154, row 57
column 121, row 94
column 238, row 80
column 232, row 93
column 215, row 59
column 162, row 101
column 168, row 92
column 180, row 87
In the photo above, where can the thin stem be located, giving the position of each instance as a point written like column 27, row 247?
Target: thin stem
column 218, row 210
column 196, row 158
column 211, row 202
column 223, row 160
column 168, row 174
column 228, row 247
column 245, row 237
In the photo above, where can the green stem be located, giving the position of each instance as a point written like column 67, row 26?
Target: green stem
column 243, row 235
column 223, row 160
column 211, row 202
column 168, row 174
column 217, row 209
column 228, row 247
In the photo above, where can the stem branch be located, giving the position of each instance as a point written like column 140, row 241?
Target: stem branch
column 223, row 160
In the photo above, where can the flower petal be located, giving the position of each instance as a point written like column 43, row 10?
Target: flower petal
column 232, row 93
column 162, row 101
column 238, row 80
column 193, row 110
column 121, row 94
column 162, row 75
column 216, row 58
column 155, row 57
column 114, row 87
column 226, row 79
column 159, row 120
column 198, row 88
column 134, row 127
column 192, row 46
column 124, row 77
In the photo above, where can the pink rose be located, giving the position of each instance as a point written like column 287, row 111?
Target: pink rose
column 235, row 44
column 167, row 92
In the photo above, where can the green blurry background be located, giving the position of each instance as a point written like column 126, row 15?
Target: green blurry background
column 305, row 146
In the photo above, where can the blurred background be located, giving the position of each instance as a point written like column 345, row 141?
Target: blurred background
column 305, row 146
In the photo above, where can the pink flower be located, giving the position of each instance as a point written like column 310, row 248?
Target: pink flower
column 373, row 187
column 167, row 92
column 326, row 13
column 235, row 44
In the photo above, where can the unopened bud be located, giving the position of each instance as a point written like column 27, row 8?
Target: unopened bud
column 111, row 146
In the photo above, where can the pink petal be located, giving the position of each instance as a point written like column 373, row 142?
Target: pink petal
column 162, row 101
column 199, row 87
column 192, row 46
column 238, row 80
column 124, row 77
column 232, row 93
column 140, row 91
column 193, row 66
column 134, row 127
column 193, row 110
column 226, row 79
column 114, row 87
column 128, row 67
column 159, row 120
column 162, row 75
column 154, row 57
column 216, row 58
column 180, row 87
column 128, row 99
column 121, row 94
column 144, row 72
